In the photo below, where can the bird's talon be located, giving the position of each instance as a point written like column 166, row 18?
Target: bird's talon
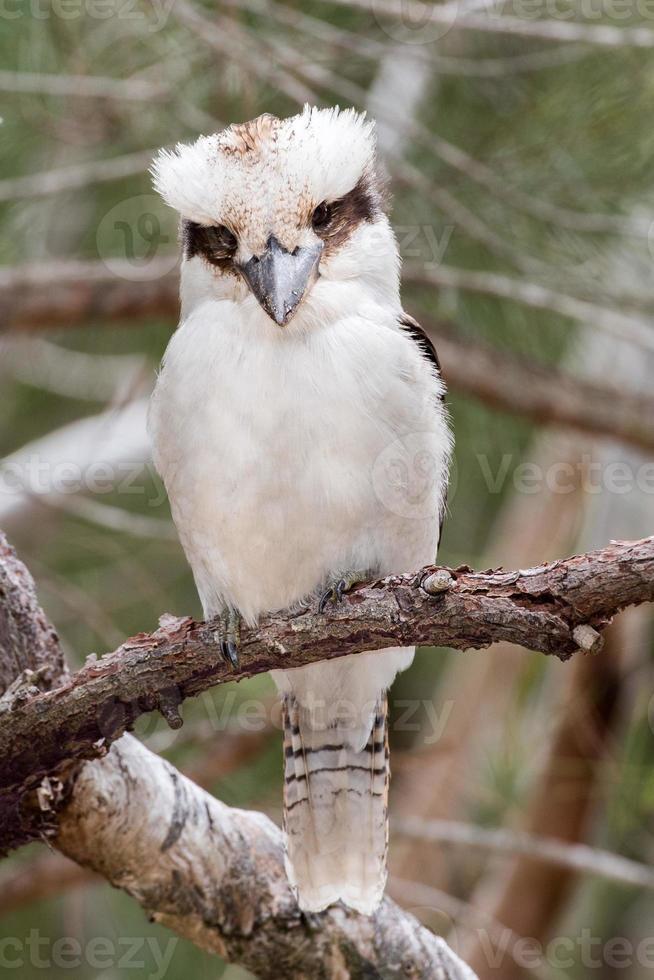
column 340, row 586
column 228, row 637
column 324, row 599
column 229, row 652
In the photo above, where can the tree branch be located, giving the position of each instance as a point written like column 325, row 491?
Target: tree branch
column 631, row 327
column 74, row 292
column 555, row 608
column 27, row 641
column 213, row 874
column 543, row 394
column 549, row 850
column 75, row 176
column 451, row 17
column 71, row 293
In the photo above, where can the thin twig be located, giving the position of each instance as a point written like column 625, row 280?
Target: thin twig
column 449, row 15
column 370, row 47
column 70, row 293
column 577, row 857
column 81, row 86
column 635, row 329
column 76, row 176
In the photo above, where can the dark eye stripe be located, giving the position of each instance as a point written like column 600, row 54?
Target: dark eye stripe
column 214, row 244
column 362, row 203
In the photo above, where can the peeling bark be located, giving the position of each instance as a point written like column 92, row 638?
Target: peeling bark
column 30, row 660
column 27, row 640
column 215, row 875
column 540, row 608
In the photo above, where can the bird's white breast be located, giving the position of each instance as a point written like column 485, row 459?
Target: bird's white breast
column 289, row 455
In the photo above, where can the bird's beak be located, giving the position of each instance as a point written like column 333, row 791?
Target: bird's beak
column 279, row 279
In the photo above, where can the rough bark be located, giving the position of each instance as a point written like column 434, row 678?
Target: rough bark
column 215, row 875
column 30, row 660
column 27, row 640
column 63, row 294
column 212, row 874
column 556, row 608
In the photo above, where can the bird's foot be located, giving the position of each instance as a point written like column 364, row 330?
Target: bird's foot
column 228, row 635
column 338, row 585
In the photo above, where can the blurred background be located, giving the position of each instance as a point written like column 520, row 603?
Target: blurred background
column 519, row 141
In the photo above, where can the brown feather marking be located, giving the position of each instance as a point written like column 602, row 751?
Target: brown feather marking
column 249, row 137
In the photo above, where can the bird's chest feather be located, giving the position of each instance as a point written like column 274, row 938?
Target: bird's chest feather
column 269, row 453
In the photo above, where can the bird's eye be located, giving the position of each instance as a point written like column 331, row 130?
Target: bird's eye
column 321, row 216
column 225, row 239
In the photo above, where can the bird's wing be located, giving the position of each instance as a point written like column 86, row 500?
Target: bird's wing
column 427, row 349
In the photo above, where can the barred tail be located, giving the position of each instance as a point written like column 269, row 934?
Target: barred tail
column 335, row 811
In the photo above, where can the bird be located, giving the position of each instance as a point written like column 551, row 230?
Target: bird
column 299, row 426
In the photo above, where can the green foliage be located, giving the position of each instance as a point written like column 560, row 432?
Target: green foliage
column 575, row 135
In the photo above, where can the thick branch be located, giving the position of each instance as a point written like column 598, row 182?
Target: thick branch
column 70, row 293
column 30, row 655
column 212, row 874
column 555, row 608
column 215, row 875
column 27, row 641
column 74, row 293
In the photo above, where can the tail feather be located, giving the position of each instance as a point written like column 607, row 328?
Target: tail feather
column 335, row 811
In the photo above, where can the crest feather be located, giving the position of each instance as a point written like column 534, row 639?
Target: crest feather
column 319, row 154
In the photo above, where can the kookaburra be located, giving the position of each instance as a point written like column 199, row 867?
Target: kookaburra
column 299, row 428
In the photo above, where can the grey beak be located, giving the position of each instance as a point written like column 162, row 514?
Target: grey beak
column 279, row 279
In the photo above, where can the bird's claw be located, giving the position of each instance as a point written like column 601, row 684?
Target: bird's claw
column 333, row 594
column 339, row 585
column 228, row 635
column 229, row 652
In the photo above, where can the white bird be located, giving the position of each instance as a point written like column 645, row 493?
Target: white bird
column 299, row 427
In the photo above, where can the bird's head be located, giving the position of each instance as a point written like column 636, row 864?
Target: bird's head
column 285, row 212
